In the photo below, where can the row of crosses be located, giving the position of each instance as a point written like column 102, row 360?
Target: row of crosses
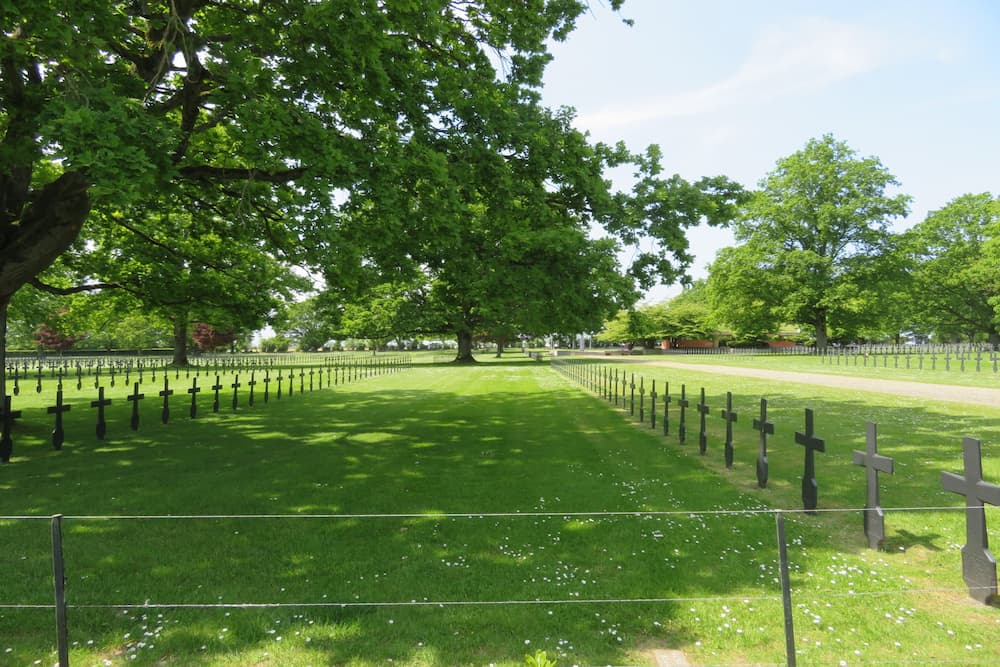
column 979, row 567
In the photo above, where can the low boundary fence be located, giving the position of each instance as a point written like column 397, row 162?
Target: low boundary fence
column 62, row 606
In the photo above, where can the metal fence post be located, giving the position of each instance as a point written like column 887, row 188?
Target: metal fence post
column 59, row 583
column 786, row 589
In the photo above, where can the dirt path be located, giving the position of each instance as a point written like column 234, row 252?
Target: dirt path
column 937, row 392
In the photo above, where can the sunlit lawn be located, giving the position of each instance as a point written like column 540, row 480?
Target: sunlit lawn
column 418, row 588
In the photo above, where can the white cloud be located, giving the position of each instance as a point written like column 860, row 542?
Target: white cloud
column 801, row 57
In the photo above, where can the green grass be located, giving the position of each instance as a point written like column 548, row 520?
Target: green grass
column 510, row 437
column 886, row 367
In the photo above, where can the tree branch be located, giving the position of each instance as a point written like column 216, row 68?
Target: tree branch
column 66, row 291
column 206, row 172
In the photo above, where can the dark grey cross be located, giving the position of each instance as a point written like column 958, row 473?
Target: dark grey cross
column 111, row 373
column 58, row 435
column 979, row 567
column 615, row 385
column 251, row 384
column 730, row 417
column 765, row 428
column 236, row 391
column 873, row 463
column 280, row 379
column 311, row 373
column 217, row 387
column 703, row 409
column 39, row 376
column 79, row 377
column 667, row 398
column 631, row 409
column 97, row 377
column 135, row 397
column 6, row 442
column 336, row 379
column 652, row 406
column 291, row 382
column 302, row 380
column 194, row 390
column 682, row 425
column 812, row 444
column 328, row 371
column 102, row 426
column 166, row 393
column 319, row 374
column 267, row 384
column 642, row 399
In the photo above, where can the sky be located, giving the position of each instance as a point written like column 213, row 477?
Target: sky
column 730, row 87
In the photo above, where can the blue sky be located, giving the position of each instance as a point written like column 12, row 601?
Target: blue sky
column 729, row 87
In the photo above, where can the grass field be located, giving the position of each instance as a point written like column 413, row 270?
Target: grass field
column 515, row 512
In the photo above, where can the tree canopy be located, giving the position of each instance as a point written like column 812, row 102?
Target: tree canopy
column 295, row 110
column 815, row 245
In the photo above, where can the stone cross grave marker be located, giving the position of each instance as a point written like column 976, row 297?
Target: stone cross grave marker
column 810, row 488
column 267, row 384
column 194, row 390
column 280, row 379
column 302, row 380
column 38, row 376
column 134, row 398
column 166, row 393
column 765, row 428
column 730, row 417
column 979, row 567
column 652, row 406
column 667, row 398
column 311, row 373
column 642, row 400
column 236, row 391
column 703, row 409
column 251, row 384
column 58, row 435
column 874, row 463
column 216, row 388
column 631, row 408
column 79, row 377
column 100, row 403
column 291, row 382
column 6, row 441
column 682, row 423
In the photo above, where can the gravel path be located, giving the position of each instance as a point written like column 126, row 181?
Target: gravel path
column 938, row 392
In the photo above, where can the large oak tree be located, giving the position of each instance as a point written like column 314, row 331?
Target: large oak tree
column 815, row 244
column 316, row 103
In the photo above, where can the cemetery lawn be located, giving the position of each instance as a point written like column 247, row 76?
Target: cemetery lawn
column 556, row 542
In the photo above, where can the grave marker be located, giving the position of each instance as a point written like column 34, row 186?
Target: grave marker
column 280, row 379
column 667, row 398
column 642, row 400
column 102, row 426
column 652, row 406
column 135, row 397
column 873, row 463
column 217, row 387
column 58, row 436
column 267, row 384
column 682, row 425
column 702, row 436
column 236, row 391
column 765, row 428
column 631, row 408
column 194, row 390
column 166, row 393
column 6, row 442
column 251, row 385
column 979, row 567
column 730, row 417
column 812, row 444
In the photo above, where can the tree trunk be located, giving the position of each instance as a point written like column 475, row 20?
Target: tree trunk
column 4, row 302
column 465, row 348
column 499, row 349
column 821, row 339
column 180, row 341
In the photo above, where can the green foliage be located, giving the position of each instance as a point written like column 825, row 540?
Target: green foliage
column 275, row 344
column 539, row 659
column 954, row 258
column 815, row 244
